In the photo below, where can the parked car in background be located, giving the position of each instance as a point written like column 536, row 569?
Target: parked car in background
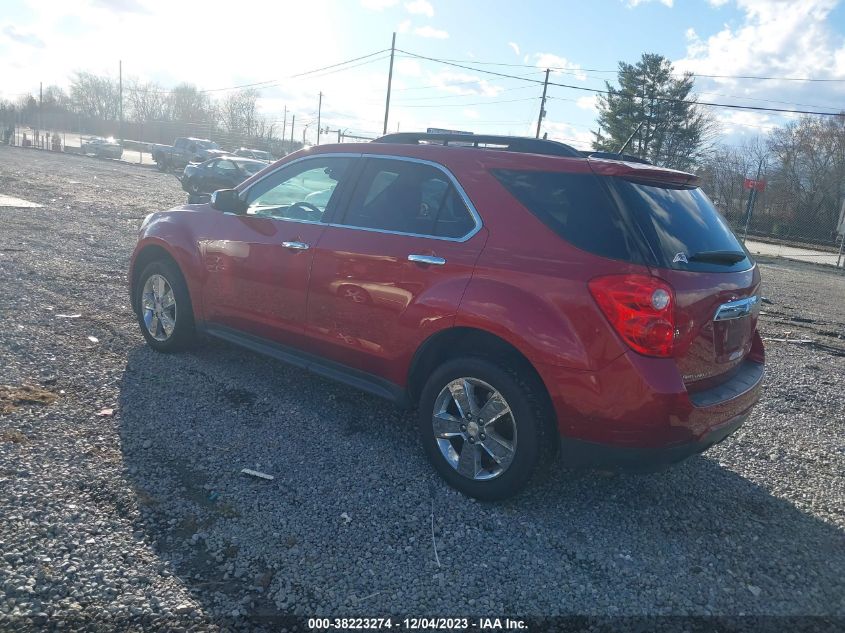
column 520, row 294
column 102, row 147
column 257, row 154
column 219, row 173
column 184, row 151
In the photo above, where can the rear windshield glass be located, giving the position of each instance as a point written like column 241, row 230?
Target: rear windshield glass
column 683, row 228
column 575, row 206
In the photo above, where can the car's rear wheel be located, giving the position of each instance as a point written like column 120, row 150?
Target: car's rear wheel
column 163, row 307
column 161, row 164
column 481, row 426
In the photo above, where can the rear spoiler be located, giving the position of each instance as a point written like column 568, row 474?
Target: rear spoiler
column 644, row 173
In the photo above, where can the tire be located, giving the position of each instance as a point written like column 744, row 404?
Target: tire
column 160, row 163
column 182, row 332
column 526, row 417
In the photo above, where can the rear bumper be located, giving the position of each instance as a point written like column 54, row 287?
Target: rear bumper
column 577, row 452
column 641, row 406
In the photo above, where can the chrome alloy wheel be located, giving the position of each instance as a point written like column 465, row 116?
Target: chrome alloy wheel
column 474, row 428
column 159, row 307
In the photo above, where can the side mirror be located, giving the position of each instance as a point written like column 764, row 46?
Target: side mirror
column 227, row 200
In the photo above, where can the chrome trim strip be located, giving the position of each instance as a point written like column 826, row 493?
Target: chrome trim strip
column 735, row 309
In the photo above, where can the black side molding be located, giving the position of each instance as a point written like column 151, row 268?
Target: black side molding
column 364, row 381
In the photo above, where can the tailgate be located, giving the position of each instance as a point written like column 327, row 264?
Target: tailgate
column 716, row 316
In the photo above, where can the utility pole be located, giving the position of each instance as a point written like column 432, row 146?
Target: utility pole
column 319, row 109
column 542, row 104
column 292, row 123
column 40, row 104
column 120, row 75
column 752, row 197
column 389, row 81
column 285, row 122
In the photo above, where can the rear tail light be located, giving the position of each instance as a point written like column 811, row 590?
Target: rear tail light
column 641, row 309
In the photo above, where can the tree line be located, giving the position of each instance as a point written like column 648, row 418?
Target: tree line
column 93, row 103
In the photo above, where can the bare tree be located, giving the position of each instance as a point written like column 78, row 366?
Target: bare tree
column 239, row 112
column 187, row 104
column 147, row 102
column 95, row 96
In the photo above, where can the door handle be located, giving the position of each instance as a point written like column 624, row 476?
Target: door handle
column 296, row 246
column 427, row 259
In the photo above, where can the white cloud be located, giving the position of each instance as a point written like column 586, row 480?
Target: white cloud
column 565, row 133
column 404, row 26
column 515, row 47
column 772, row 39
column 561, row 65
column 587, row 103
column 745, row 123
column 378, row 5
column 420, row 7
column 464, row 84
column 408, row 67
column 775, row 38
column 22, row 37
column 632, row 4
column 430, row 31
column 717, row 3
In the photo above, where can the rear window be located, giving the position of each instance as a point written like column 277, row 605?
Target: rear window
column 681, row 224
column 575, row 206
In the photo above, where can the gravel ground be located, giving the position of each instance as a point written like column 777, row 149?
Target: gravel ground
column 143, row 513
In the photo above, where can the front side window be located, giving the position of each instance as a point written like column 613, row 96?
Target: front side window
column 301, row 191
column 407, row 197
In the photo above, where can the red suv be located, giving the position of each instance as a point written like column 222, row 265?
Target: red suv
column 522, row 295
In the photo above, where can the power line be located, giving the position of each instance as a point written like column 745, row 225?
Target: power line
column 576, row 70
column 464, row 105
column 656, row 98
column 270, row 83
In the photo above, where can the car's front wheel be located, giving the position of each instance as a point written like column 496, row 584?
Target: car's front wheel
column 481, row 427
column 163, row 307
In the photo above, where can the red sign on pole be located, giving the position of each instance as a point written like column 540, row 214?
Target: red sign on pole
column 757, row 185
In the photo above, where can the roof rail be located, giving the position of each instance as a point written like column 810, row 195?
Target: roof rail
column 628, row 158
column 508, row 143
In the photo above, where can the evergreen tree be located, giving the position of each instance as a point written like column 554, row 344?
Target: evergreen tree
column 675, row 132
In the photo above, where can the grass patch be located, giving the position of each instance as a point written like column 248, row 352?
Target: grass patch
column 13, row 397
column 13, row 436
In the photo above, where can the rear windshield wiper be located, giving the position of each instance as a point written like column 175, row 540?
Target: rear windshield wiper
column 718, row 257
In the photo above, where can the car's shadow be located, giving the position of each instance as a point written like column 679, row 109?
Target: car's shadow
column 346, row 525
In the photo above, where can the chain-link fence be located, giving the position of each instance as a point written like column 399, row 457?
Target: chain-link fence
column 73, row 129
column 778, row 213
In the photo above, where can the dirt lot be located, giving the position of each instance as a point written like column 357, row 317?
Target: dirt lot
column 142, row 515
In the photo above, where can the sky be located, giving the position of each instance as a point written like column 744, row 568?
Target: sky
column 217, row 45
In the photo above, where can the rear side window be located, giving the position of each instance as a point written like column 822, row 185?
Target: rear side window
column 682, row 227
column 575, row 206
column 408, row 197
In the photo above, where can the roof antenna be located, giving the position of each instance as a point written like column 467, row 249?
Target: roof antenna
column 545, row 136
column 630, row 138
